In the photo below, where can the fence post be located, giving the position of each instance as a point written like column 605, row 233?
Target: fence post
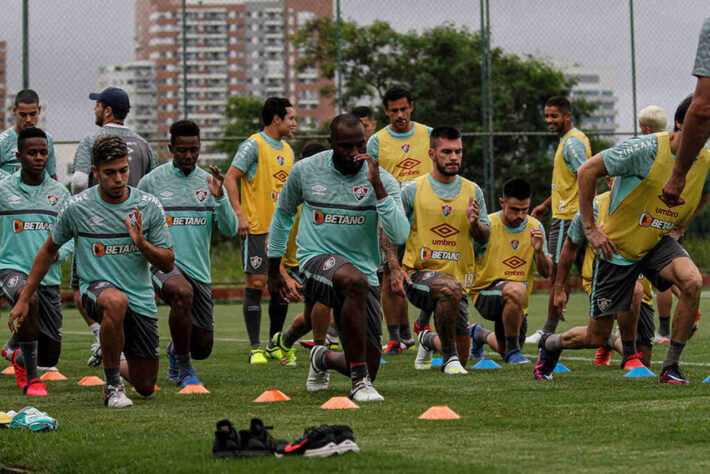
column 25, row 45
column 184, row 59
column 338, row 72
column 489, row 71
column 633, row 63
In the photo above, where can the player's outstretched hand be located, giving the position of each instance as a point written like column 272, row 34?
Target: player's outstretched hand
column 17, row 313
column 135, row 228
column 397, row 279
column 536, row 238
column 473, row 211
column 373, row 174
column 672, row 189
column 603, row 245
column 216, row 181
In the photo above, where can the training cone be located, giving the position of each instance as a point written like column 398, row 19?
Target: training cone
column 640, row 372
column 560, row 368
column 382, row 361
column 53, row 375
column 155, row 388
column 90, row 380
column 10, row 370
column 272, row 396
column 707, row 379
column 437, row 361
column 487, row 364
column 196, row 388
column 439, row 412
column 339, row 403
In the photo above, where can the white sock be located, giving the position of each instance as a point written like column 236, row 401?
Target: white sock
column 95, row 328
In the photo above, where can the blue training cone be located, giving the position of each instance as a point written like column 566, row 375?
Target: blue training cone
column 382, row 361
column 487, row 364
column 640, row 372
column 707, row 379
column 436, row 362
column 560, row 368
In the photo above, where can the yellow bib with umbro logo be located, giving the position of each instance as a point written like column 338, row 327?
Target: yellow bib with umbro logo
column 643, row 217
column 259, row 194
column 565, row 192
column 439, row 239
column 405, row 159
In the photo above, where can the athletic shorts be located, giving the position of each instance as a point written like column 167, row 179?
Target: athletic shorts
column 318, row 275
column 202, row 304
column 50, row 302
column 613, row 285
column 74, row 274
column 254, row 253
column 646, row 328
column 418, row 294
column 490, row 306
column 558, row 233
column 140, row 332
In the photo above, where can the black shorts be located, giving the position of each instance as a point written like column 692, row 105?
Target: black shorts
column 418, row 294
column 318, row 275
column 202, row 304
column 558, row 233
column 141, row 338
column 646, row 328
column 490, row 306
column 50, row 302
column 254, row 253
column 613, row 285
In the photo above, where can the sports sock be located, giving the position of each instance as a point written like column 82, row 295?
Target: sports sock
column 511, row 343
column 322, row 361
column 554, row 343
column 319, row 342
column 95, row 329
column 333, row 331
column 427, row 340
column 674, row 351
column 423, row 319
column 628, row 348
column 550, row 324
column 184, row 362
column 11, row 345
column 612, row 340
column 252, row 315
column 405, row 332
column 29, row 359
column 482, row 335
column 358, row 371
column 113, row 375
column 278, row 309
column 447, row 352
column 393, row 329
column 288, row 338
column 664, row 325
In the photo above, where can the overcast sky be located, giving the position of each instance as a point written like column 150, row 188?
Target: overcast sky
column 70, row 39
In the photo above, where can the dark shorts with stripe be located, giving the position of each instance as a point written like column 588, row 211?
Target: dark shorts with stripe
column 50, row 302
column 140, row 332
column 558, row 233
column 490, row 306
column 318, row 275
column 254, row 253
column 202, row 304
column 646, row 327
column 418, row 293
column 613, row 285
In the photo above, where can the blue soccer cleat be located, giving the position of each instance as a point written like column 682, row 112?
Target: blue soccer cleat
column 188, row 377
column 173, row 372
column 516, row 357
column 476, row 352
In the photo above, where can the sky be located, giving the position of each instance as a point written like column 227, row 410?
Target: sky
column 70, row 39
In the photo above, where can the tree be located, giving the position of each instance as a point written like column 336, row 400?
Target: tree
column 244, row 118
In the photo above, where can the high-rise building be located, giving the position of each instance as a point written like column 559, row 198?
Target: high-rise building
column 594, row 85
column 3, row 84
column 236, row 47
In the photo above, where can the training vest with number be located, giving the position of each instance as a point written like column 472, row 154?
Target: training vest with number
column 508, row 256
column 439, row 239
column 642, row 217
column 565, row 192
column 405, row 159
column 260, row 193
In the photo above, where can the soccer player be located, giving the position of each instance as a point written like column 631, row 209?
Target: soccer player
column 652, row 119
column 111, row 109
column 367, row 117
column 118, row 231
column 345, row 196
column 504, row 274
column 261, row 166
column 634, row 238
column 193, row 200
column 29, row 203
column 447, row 214
column 402, row 149
column 571, row 153
column 26, row 110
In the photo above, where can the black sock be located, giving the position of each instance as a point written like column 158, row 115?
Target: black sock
column 252, row 315
column 628, row 348
column 405, row 332
column 482, row 335
column 664, row 325
column 550, row 325
column 278, row 309
column 427, row 340
column 511, row 343
column 674, row 351
column 394, row 332
column 319, row 342
column 322, row 362
column 113, row 375
column 184, row 362
column 423, row 319
column 447, row 352
column 289, row 338
column 29, row 359
column 332, row 331
column 358, row 371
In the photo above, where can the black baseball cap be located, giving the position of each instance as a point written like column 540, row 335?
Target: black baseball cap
column 113, row 97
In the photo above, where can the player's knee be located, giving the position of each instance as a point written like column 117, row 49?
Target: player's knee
column 638, row 295
column 691, row 284
column 181, row 295
column 354, row 283
column 447, row 288
column 47, row 359
column 597, row 338
column 257, row 284
column 144, row 388
column 202, row 351
column 514, row 293
column 114, row 304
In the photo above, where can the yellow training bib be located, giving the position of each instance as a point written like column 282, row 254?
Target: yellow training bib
column 405, row 159
column 565, row 192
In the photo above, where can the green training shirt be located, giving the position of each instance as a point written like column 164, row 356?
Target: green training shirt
column 8, row 148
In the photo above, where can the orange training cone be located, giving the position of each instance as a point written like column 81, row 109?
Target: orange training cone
column 155, row 388
column 10, row 370
column 272, row 396
column 90, row 380
column 439, row 412
column 53, row 375
column 339, row 403
column 196, row 388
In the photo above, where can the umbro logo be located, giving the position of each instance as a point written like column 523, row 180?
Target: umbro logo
column 166, row 195
column 96, row 220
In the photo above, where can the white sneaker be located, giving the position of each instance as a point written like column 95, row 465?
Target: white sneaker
column 535, row 338
column 364, row 391
column 317, row 379
column 453, row 367
column 423, row 360
column 96, row 357
column 659, row 339
column 47, row 369
column 116, row 397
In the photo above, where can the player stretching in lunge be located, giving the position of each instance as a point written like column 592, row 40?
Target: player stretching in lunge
column 193, row 200
column 119, row 231
column 345, row 196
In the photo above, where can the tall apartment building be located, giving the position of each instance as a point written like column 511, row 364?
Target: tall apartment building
column 594, row 85
column 3, row 83
column 236, row 47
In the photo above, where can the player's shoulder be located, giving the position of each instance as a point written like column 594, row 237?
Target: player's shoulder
column 141, row 197
column 387, row 178
column 57, row 187
column 81, row 199
column 318, row 162
column 644, row 144
column 533, row 222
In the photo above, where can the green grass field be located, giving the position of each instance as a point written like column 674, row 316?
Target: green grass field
column 590, row 420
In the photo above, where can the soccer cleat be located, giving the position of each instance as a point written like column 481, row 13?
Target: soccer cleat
column 188, row 377
column 344, row 439
column 364, row 391
column 515, row 357
column 632, row 362
column 424, row 355
column 308, row 343
column 476, row 352
column 417, row 329
column 288, row 354
column 316, row 442
column 257, row 356
column 115, row 396
column 546, row 360
column 331, row 342
column 453, row 367
column 96, row 356
column 393, row 348
column 694, row 329
column 406, row 344
column 6, row 353
column 273, row 352
column 35, row 388
column 317, row 379
column 672, row 374
column 33, row 420
column 173, row 371
column 20, row 374
column 602, row 357
column 535, row 338
column 659, row 338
